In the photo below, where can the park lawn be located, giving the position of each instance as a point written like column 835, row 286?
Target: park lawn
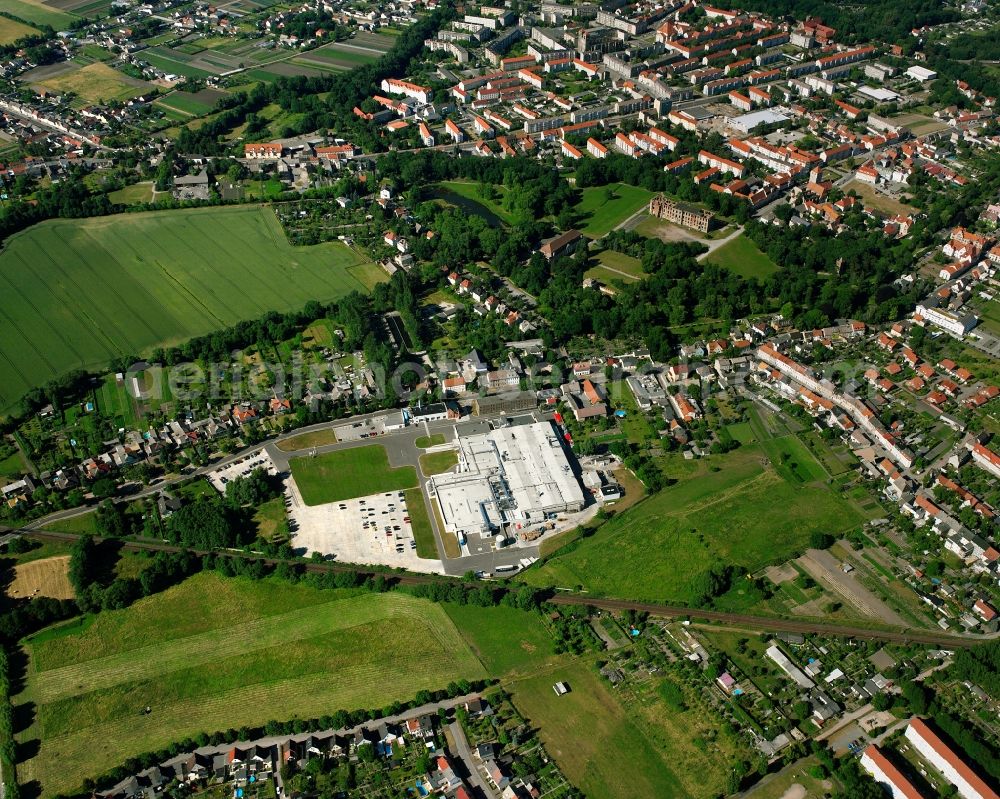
column 602, row 215
column 744, row 514
column 317, row 438
column 11, row 31
column 510, row 643
column 35, row 12
column 95, row 83
column 349, row 473
column 420, row 523
column 470, row 192
column 216, row 653
column 136, row 194
column 591, row 736
column 433, row 440
column 125, row 284
column 185, row 102
column 613, row 265
column 742, row 257
column 438, row 462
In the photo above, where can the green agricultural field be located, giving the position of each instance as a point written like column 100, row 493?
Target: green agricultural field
column 125, row 284
column 601, row 215
column 95, row 83
column 11, row 31
column 187, row 103
column 742, row 257
column 743, row 514
column 349, row 473
column 171, row 61
column 214, row 654
column 317, row 438
column 35, row 12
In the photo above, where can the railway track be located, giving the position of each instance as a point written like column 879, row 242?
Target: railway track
column 740, row 620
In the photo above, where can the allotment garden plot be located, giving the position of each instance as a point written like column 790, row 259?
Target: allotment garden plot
column 80, row 293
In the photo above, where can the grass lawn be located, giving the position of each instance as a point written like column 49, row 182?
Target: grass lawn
column 743, row 514
column 13, row 466
column 96, row 83
column 509, row 642
column 601, row 215
column 420, row 522
column 215, row 653
column 125, row 284
column 318, row 438
column 11, row 31
column 433, row 440
column 349, row 473
column 613, row 265
column 438, row 462
column 742, row 257
column 591, row 736
column 35, row 12
column 84, row 523
column 133, row 195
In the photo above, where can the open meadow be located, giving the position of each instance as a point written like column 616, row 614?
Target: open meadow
column 35, row 12
column 80, row 293
column 742, row 257
column 216, row 653
column 729, row 509
column 349, row 473
column 601, row 214
column 11, row 31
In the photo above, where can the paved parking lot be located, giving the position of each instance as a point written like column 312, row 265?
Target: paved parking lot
column 241, row 468
column 373, row 529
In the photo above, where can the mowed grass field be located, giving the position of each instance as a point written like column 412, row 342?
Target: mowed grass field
column 746, row 514
column 602, row 215
column 11, row 31
column 79, row 293
column 742, row 257
column 35, row 12
column 216, row 653
column 349, row 473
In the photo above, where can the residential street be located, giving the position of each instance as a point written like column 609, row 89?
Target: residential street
column 465, row 753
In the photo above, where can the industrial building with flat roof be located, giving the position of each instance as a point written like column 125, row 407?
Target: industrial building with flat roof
column 507, row 479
